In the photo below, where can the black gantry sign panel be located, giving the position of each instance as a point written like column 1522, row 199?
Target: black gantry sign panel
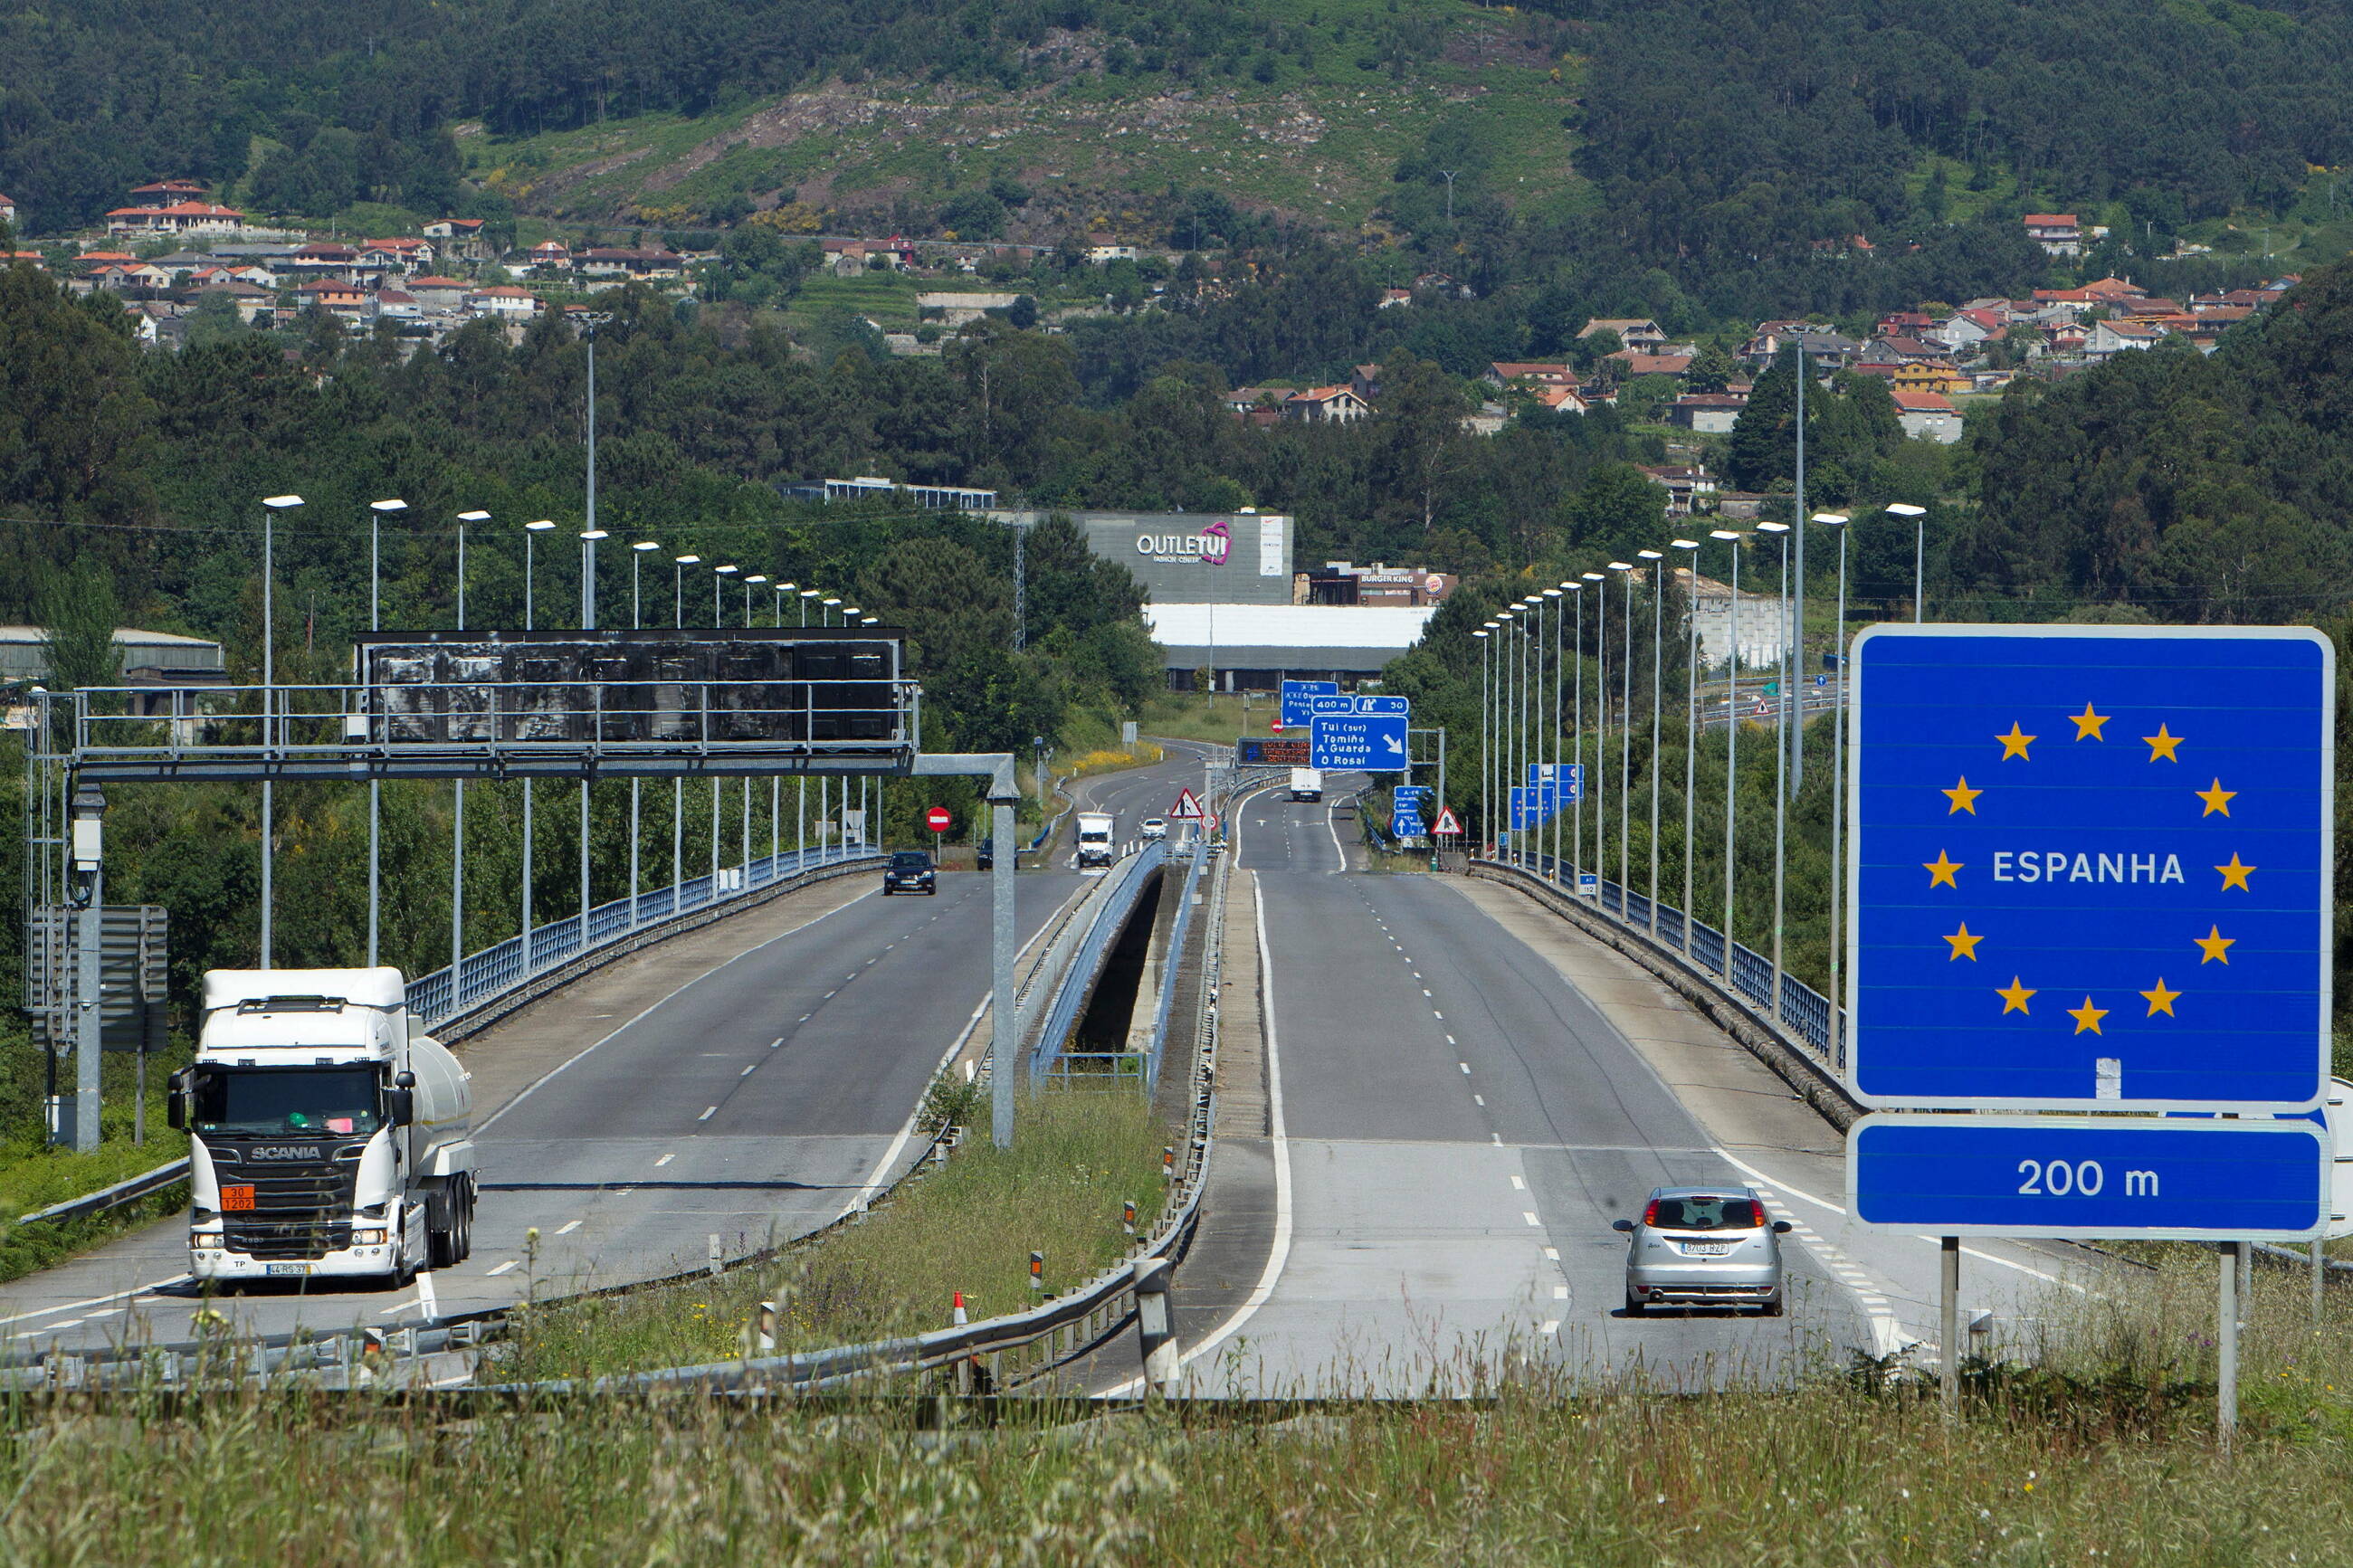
column 689, row 687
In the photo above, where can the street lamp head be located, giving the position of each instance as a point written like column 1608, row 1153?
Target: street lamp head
column 787, row 587
column 686, row 560
column 1902, row 510
column 756, row 578
column 853, row 610
column 1491, row 626
column 831, row 603
column 871, row 621
column 542, row 526
column 279, row 503
column 1772, row 527
column 727, row 571
column 645, row 545
column 1621, row 567
column 1684, row 544
column 1651, row 555
column 1552, row 592
column 1830, row 519
column 1481, row 635
column 395, row 505
column 1730, row 536
column 810, row 592
column 1594, row 577
column 474, row 517
column 594, row 534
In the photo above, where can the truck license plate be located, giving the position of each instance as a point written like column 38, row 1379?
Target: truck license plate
column 286, row 1269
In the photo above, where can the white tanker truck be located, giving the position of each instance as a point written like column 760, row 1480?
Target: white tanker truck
column 329, row 1136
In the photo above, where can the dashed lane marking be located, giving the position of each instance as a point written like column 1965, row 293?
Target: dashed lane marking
column 502, row 1268
column 568, row 1227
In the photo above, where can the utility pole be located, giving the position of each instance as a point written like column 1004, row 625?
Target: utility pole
column 1798, row 633
column 377, row 511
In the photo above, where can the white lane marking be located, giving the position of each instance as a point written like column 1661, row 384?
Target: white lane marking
column 1886, row 1330
column 665, row 1159
column 1331, row 819
column 1496, row 1137
column 1520, row 1183
column 568, row 1227
column 51, row 1328
column 1549, row 1326
column 94, row 1301
column 774, row 1043
column 399, row 1307
column 1437, row 1015
column 1450, row 1039
column 1530, row 1215
column 1482, row 1099
column 1465, row 1067
column 502, row 1268
column 747, row 1071
column 535, row 1086
column 709, row 1111
column 1560, row 1292
column 1279, row 1254
column 1552, row 1254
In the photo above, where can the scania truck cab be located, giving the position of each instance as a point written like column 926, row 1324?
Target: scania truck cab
column 329, row 1136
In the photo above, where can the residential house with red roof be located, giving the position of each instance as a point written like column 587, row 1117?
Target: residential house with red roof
column 2059, row 233
column 1326, row 406
column 178, row 217
column 1928, row 414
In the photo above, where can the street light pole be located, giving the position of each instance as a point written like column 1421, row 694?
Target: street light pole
column 457, row 810
column 719, row 576
column 376, row 512
column 1795, row 737
column 1731, row 742
column 1626, row 753
column 679, row 563
column 1658, row 619
column 638, row 552
column 588, row 324
column 1838, row 791
column 1600, row 732
column 271, row 507
column 1780, row 782
column 531, row 531
column 1559, row 607
column 1919, row 516
column 595, row 716
column 1577, row 834
column 1486, row 707
column 1691, row 729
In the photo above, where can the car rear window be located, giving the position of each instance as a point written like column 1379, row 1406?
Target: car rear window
column 910, row 860
column 1707, row 1214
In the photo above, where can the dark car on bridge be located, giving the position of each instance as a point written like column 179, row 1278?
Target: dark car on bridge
column 909, row 872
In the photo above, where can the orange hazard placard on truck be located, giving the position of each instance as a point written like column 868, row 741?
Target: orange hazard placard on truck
column 233, row 1198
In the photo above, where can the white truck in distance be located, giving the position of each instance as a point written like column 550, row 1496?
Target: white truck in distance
column 328, row 1134
column 1094, row 839
column 1307, row 783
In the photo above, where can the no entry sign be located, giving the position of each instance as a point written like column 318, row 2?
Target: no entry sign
column 937, row 819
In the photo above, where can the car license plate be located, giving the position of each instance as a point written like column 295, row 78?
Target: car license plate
column 286, row 1269
column 1707, row 1249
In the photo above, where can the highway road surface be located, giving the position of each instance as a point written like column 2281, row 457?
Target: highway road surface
column 748, row 1082
column 1457, row 1115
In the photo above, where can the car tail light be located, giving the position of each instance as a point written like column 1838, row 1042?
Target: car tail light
column 1650, row 1213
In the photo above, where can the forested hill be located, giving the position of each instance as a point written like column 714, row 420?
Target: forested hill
column 1690, row 141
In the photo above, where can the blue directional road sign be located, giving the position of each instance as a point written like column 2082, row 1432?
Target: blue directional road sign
column 1368, row 704
column 1359, row 743
column 2089, row 1177
column 1411, row 795
column 1407, row 825
column 2091, row 867
column 1295, row 695
column 1533, row 806
column 1322, row 706
column 1567, row 778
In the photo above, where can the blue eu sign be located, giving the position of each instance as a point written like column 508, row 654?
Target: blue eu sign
column 2089, row 1177
column 2091, row 867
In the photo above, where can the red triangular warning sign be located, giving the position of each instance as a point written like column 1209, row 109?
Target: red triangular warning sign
column 1186, row 808
column 1447, row 826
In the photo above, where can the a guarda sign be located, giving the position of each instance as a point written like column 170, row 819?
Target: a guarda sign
column 1210, row 547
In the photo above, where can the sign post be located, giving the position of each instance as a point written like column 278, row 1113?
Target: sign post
column 2091, row 873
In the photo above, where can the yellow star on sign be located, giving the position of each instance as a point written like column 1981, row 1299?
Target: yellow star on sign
column 2087, row 1018
column 2233, row 875
column 1940, row 871
column 2217, row 798
column 1963, row 797
column 2014, row 745
column 2214, row 945
column 2161, row 744
column 2160, row 1000
column 2013, row 995
column 1964, row 945
column 2087, row 723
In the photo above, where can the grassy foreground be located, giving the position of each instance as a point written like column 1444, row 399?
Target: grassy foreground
column 970, row 1226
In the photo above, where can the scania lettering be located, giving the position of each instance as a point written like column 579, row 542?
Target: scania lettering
column 1094, row 839
column 328, row 1134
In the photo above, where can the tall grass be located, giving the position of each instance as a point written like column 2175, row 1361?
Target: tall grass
column 970, row 1226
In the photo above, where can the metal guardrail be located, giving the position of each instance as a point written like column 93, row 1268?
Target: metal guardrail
column 1170, row 962
column 1805, row 1015
column 1089, row 939
column 504, row 966
column 497, row 971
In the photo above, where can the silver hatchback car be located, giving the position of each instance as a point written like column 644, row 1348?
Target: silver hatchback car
column 1703, row 1246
